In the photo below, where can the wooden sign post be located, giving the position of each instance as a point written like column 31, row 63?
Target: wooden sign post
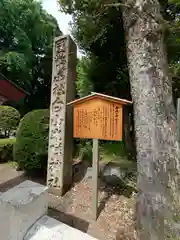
column 95, row 174
column 98, row 116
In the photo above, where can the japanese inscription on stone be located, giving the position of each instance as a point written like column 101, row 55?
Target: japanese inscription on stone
column 59, row 174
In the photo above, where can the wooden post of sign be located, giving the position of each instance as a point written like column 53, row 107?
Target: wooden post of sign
column 95, row 173
column 178, row 120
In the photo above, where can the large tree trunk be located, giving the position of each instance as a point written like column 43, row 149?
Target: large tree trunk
column 158, row 205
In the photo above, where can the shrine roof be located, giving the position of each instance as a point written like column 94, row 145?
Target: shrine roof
column 10, row 90
column 94, row 95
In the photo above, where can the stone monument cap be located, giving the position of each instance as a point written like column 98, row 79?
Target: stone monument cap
column 22, row 194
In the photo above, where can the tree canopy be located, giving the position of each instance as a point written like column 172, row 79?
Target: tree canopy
column 26, row 37
column 83, row 84
column 98, row 30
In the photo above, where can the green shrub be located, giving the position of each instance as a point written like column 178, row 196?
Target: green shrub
column 31, row 147
column 6, row 149
column 113, row 151
column 9, row 119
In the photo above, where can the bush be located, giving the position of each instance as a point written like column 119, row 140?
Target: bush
column 31, row 147
column 6, row 149
column 9, row 119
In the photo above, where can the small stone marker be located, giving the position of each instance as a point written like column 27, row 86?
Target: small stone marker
column 20, row 207
column 59, row 174
column 88, row 174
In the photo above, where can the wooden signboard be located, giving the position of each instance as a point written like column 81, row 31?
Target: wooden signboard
column 98, row 116
column 98, row 119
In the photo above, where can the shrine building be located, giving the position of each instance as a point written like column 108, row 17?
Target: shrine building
column 10, row 92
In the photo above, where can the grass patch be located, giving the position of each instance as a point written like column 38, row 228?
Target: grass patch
column 113, row 151
column 116, row 152
column 109, row 152
column 5, row 141
column 13, row 164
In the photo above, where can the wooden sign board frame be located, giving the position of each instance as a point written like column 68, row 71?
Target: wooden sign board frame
column 98, row 116
column 98, row 119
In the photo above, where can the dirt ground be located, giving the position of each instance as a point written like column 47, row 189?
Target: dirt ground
column 116, row 207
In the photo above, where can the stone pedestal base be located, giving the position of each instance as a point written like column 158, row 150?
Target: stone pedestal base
column 51, row 229
column 20, row 207
column 23, row 216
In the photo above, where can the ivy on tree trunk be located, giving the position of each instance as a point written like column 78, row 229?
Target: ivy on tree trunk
column 158, row 203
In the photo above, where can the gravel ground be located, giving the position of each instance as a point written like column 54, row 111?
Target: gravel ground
column 116, row 209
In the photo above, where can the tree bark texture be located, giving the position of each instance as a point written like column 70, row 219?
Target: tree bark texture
column 158, row 203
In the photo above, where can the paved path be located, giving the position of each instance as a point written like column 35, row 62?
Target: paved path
column 9, row 177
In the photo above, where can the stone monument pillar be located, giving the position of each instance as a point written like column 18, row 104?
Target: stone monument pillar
column 59, row 174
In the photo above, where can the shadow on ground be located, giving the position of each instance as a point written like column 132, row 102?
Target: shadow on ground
column 123, row 190
column 68, row 219
column 6, row 185
column 9, row 177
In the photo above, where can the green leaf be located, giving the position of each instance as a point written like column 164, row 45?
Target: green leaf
column 174, row 1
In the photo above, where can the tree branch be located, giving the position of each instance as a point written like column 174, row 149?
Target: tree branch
column 117, row 5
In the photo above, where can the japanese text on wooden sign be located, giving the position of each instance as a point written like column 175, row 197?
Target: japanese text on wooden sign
column 99, row 119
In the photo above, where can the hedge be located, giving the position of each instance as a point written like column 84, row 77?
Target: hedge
column 6, row 149
column 31, row 147
column 9, row 119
